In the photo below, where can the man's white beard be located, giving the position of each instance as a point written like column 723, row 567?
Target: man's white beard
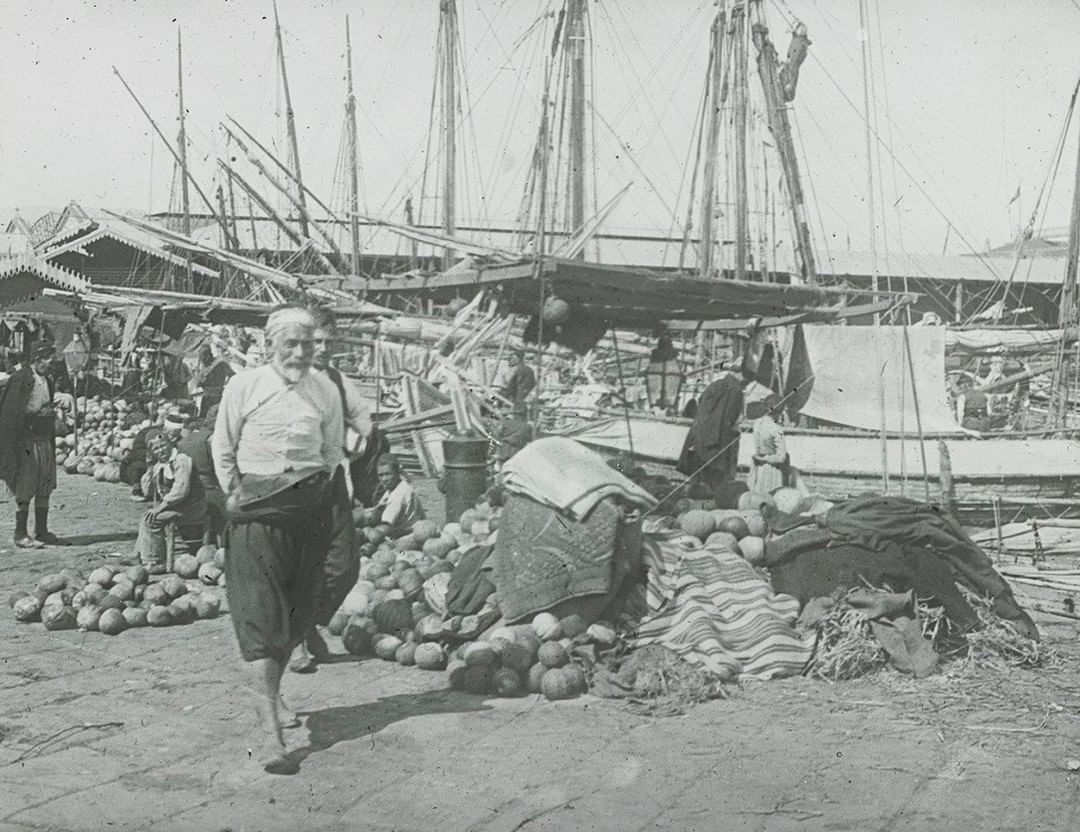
column 292, row 374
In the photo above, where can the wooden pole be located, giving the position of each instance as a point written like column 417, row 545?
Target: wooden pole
column 712, row 147
column 264, row 205
column 738, row 43
column 290, row 123
column 181, row 141
column 449, row 24
column 575, row 41
column 172, row 151
column 622, row 392
column 945, row 481
column 918, row 414
column 350, row 122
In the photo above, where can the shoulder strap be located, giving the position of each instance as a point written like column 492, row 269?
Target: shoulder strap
column 335, row 377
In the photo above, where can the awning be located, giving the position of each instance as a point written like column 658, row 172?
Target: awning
column 24, row 276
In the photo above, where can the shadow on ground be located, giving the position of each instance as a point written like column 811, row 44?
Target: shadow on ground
column 328, row 727
column 93, row 539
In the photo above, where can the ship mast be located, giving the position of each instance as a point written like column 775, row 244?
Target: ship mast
column 350, row 122
column 448, row 24
column 575, row 48
column 712, row 146
column 181, row 139
column 290, row 126
column 738, row 48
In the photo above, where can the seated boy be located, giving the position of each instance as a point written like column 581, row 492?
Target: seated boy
column 398, row 508
column 178, row 497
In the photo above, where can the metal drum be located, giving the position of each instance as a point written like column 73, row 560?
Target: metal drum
column 464, row 472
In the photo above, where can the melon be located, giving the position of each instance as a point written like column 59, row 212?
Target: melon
column 430, row 656
column 51, row 583
column 58, row 617
column 723, row 540
column 375, row 536
column 206, row 554
column 468, row 517
column 174, row 586
column 138, row 575
column 155, row 594
column 94, row 593
column 507, row 682
column 386, row 647
column 406, row 543
column 478, row 678
column 207, row 605
column 219, row 558
column 411, row 583
column 573, row 625
column 424, row 530
column 134, row 617
column 788, row 500
column 576, row 678
column 420, row 609
column 375, row 571
column 385, row 557
column 102, row 576
column 406, row 654
column 87, row 618
column 209, row 574
column 552, row 654
column 451, row 531
column 54, row 599
column 534, row 678
column 183, row 610
column 337, row 624
column 455, row 674
column 559, row 683
column 429, row 628
column 438, row 547
column 159, row 616
column 356, row 639
column 108, row 601
column 697, row 522
column 754, row 500
column 755, row 523
column 602, row 634
column 503, row 633
column 736, row 526
column 15, row 596
column 478, row 653
column 112, row 622
column 27, row 608
column 123, row 589
column 393, row 616
column 546, row 626
column 186, row 566
column 516, row 655
column 753, row 549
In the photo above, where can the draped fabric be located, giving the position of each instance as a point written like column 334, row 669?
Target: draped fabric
column 709, row 606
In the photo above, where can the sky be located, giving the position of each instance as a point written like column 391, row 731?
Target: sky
column 970, row 98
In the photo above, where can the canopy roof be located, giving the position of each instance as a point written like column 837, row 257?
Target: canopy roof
column 624, row 296
column 23, row 277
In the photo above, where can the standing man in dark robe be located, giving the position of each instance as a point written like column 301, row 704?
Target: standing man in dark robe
column 276, row 445
column 711, row 450
column 214, row 373
column 28, row 446
column 522, row 379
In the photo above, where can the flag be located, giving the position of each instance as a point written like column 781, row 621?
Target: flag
column 1015, row 197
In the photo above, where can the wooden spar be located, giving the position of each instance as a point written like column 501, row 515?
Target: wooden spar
column 738, row 45
column 411, row 220
column 281, row 166
column 575, row 44
column 350, row 123
column 181, row 141
column 780, row 128
column 263, row 204
column 230, row 242
column 708, row 189
column 172, row 151
column 448, row 13
column 873, row 236
column 232, row 217
column 290, row 124
column 300, row 207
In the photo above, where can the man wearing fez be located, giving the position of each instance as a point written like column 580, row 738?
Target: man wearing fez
column 276, row 444
column 28, row 446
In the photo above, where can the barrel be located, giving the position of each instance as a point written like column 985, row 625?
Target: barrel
column 464, row 472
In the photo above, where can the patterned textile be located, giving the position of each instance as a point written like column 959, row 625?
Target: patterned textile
column 543, row 558
column 708, row 605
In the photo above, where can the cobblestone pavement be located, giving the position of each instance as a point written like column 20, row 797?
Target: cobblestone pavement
column 148, row 730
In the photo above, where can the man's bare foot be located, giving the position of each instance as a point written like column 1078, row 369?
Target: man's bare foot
column 302, row 661
column 272, row 757
column 287, row 718
column 316, row 645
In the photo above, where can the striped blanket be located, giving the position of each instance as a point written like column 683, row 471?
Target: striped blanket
column 709, row 606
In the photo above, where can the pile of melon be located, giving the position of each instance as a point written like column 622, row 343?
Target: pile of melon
column 741, row 531
column 113, row 599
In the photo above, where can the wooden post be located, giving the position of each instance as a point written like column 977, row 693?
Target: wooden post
column 945, row 476
column 449, row 25
column 742, row 208
column 354, row 188
column 708, row 186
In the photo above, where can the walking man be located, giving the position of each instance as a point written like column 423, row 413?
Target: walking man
column 28, row 446
column 276, row 444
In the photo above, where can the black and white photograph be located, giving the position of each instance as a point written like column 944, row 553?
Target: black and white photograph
column 539, row 415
